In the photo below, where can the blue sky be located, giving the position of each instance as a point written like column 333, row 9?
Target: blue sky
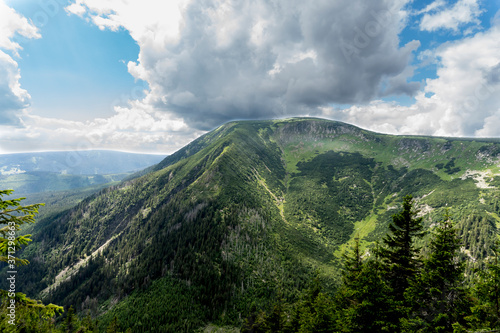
column 151, row 76
column 83, row 69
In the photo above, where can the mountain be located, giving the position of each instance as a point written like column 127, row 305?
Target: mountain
column 84, row 162
column 248, row 214
column 62, row 179
column 57, row 171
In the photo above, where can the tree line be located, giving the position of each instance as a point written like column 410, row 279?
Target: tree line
column 394, row 287
column 397, row 288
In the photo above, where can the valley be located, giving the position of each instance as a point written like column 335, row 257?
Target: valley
column 248, row 215
column 62, row 179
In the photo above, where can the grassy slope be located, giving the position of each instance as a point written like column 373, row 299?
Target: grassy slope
column 412, row 155
column 250, row 211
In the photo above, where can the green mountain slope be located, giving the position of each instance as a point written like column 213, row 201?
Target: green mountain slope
column 249, row 213
column 62, row 179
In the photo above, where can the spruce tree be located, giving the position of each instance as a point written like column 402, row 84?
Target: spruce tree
column 315, row 314
column 364, row 302
column 400, row 256
column 69, row 325
column 438, row 296
column 14, row 215
column 487, row 291
column 113, row 326
column 30, row 315
column 353, row 263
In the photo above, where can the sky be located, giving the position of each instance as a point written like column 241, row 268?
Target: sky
column 150, row 76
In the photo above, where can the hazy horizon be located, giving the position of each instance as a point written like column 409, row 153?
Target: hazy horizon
column 149, row 76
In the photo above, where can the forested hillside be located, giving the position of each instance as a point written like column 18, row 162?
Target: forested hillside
column 62, row 179
column 40, row 172
column 251, row 222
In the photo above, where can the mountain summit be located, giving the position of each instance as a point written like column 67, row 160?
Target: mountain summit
column 248, row 213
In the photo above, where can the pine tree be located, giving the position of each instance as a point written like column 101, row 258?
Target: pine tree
column 315, row 310
column 14, row 215
column 69, row 325
column 438, row 296
column 487, row 291
column 30, row 315
column 364, row 302
column 399, row 254
column 113, row 327
column 353, row 263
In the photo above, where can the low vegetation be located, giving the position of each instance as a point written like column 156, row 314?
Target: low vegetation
column 247, row 227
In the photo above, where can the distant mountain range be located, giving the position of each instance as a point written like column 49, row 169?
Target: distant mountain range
column 245, row 215
column 91, row 162
column 56, row 171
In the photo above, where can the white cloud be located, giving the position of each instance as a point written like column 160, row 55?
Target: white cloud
column 211, row 61
column 137, row 128
column 150, row 22
column 12, row 97
column 496, row 19
column 464, row 99
column 433, row 6
column 76, row 9
column 11, row 23
column 439, row 16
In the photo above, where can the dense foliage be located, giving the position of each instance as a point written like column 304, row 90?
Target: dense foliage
column 399, row 253
column 17, row 311
column 246, row 226
column 435, row 297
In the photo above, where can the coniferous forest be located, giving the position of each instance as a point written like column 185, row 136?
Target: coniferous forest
column 298, row 225
column 397, row 288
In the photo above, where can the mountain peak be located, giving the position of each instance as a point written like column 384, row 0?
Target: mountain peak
column 251, row 208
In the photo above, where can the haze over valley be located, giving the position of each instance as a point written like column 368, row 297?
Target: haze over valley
column 249, row 166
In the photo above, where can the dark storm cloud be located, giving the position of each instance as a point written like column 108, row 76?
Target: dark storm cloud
column 258, row 59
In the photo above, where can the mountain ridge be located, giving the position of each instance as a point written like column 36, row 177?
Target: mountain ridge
column 249, row 212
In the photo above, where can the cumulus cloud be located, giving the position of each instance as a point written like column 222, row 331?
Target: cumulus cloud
column 495, row 20
column 208, row 62
column 464, row 99
column 136, row 128
column 12, row 97
column 11, row 23
column 439, row 15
